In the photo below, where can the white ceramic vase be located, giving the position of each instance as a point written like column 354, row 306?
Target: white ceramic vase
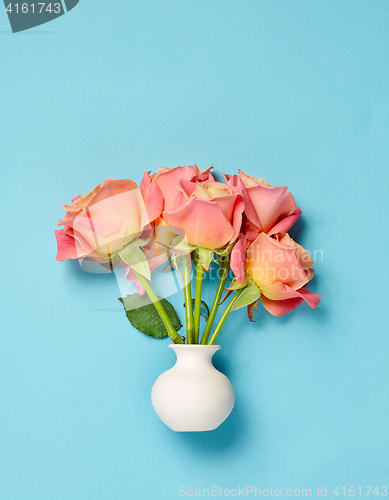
column 193, row 395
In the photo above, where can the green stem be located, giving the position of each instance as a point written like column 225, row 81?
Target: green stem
column 197, row 309
column 225, row 315
column 188, row 299
column 224, row 268
column 161, row 311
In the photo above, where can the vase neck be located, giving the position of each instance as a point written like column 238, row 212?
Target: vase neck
column 194, row 355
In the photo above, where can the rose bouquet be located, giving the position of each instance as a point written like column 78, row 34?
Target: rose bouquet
column 184, row 219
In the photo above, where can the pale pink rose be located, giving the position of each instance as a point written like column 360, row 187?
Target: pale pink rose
column 209, row 213
column 268, row 208
column 281, row 269
column 107, row 219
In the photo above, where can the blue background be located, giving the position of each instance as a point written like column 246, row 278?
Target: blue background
column 295, row 91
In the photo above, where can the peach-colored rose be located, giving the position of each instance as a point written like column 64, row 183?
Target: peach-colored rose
column 104, row 221
column 209, row 213
column 281, row 269
column 268, row 208
column 167, row 178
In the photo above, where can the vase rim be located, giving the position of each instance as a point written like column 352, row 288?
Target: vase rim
column 194, row 346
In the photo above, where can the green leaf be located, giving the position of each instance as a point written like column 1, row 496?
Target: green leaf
column 250, row 310
column 169, row 266
column 237, row 286
column 178, row 246
column 205, row 305
column 133, row 256
column 141, row 242
column 176, row 259
column 248, row 296
column 227, row 250
column 143, row 315
column 205, row 256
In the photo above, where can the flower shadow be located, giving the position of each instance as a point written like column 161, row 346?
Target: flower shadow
column 89, row 271
column 298, row 228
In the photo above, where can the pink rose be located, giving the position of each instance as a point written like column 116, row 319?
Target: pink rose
column 104, row 221
column 208, row 212
column 268, row 208
column 281, row 269
column 167, row 178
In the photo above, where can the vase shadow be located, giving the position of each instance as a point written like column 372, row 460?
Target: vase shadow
column 230, row 435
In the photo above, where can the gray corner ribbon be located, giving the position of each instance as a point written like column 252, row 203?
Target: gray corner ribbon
column 25, row 15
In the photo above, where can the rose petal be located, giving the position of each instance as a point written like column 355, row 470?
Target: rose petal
column 145, row 183
column 99, row 226
column 303, row 256
column 167, row 179
column 205, row 175
column 111, row 188
column 285, row 224
column 280, row 307
column 271, row 204
column 131, row 276
column 271, row 262
column 66, row 246
column 237, row 260
column 82, row 245
column 82, row 201
column 312, row 299
column 101, row 244
column 186, row 187
column 203, row 221
column 249, row 181
column 280, row 291
column 235, row 183
column 153, row 204
column 237, row 216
